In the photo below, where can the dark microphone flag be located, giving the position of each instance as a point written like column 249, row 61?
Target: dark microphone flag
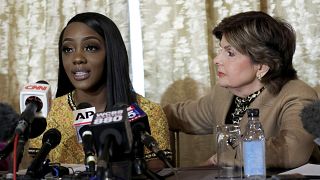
column 112, row 123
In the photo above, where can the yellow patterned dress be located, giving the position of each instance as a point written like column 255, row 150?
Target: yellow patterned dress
column 71, row 152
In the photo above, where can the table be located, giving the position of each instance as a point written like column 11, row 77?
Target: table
column 211, row 172
column 191, row 173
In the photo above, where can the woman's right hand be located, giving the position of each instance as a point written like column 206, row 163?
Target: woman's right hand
column 211, row 161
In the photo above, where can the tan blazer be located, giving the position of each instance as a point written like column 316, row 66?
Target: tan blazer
column 288, row 145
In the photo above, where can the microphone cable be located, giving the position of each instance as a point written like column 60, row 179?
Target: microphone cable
column 12, row 172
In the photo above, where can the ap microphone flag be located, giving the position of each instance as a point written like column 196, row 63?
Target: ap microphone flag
column 83, row 116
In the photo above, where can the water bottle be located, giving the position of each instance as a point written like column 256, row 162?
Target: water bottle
column 254, row 147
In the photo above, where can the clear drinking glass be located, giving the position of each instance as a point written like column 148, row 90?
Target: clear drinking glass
column 229, row 151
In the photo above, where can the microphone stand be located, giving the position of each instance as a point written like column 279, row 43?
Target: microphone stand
column 104, row 170
column 138, row 154
column 23, row 131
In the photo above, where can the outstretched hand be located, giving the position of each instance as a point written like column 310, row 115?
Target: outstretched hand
column 211, row 161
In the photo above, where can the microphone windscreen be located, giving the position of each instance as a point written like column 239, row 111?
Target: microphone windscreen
column 36, row 100
column 310, row 116
column 42, row 82
column 8, row 121
column 53, row 135
column 38, row 126
column 84, row 105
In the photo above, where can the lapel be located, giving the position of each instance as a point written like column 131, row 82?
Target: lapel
column 224, row 105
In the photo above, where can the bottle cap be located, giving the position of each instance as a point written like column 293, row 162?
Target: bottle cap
column 253, row 112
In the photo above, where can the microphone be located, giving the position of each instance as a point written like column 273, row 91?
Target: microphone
column 35, row 99
column 112, row 123
column 8, row 121
column 310, row 116
column 139, row 125
column 38, row 92
column 50, row 140
column 86, row 134
column 153, row 146
column 141, row 130
column 113, row 138
column 138, row 118
column 83, row 116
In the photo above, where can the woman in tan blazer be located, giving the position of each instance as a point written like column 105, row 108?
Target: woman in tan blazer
column 254, row 70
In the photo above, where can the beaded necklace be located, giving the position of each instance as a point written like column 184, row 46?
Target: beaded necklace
column 71, row 101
